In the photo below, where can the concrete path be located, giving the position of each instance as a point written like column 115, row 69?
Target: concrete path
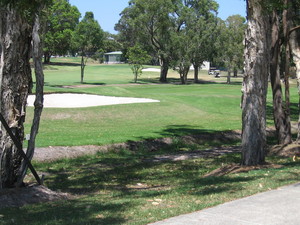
column 276, row 207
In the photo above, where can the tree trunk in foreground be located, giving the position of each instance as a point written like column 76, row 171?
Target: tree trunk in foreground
column 282, row 124
column 295, row 47
column 37, row 55
column 15, row 84
column 255, row 85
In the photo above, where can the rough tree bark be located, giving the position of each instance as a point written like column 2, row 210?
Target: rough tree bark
column 37, row 55
column 281, row 121
column 286, row 21
column 15, row 84
column 295, row 47
column 255, row 85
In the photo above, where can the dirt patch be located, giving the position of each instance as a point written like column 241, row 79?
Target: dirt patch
column 290, row 150
column 18, row 197
column 236, row 168
column 53, row 153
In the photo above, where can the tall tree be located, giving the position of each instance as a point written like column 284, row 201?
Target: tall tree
column 255, row 84
column 294, row 41
column 295, row 47
column 62, row 19
column 230, row 43
column 152, row 26
column 136, row 58
column 87, row 38
column 281, row 119
column 16, row 21
column 181, row 58
column 201, row 23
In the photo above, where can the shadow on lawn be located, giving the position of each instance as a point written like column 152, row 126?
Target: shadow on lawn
column 62, row 64
column 108, row 186
column 72, row 212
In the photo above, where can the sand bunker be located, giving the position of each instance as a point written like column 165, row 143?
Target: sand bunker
column 84, row 100
column 151, row 70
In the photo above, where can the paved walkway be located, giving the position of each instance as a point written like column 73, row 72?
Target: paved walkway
column 276, row 207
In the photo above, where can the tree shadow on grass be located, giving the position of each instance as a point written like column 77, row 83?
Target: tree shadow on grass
column 67, row 212
column 62, row 64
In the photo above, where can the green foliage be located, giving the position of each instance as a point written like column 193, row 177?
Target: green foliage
column 87, row 39
column 88, row 35
column 111, row 43
column 26, row 8
column 177, row 32
column 150, row 26
column 193, row 40
column 136, row 58
column 62, row 19
column 230, row 44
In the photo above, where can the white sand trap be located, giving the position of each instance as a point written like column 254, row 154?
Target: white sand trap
column 151, row 70
column 84, row 100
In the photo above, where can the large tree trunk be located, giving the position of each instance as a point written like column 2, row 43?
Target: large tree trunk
column 295, row 47
column 286, row 29
column 15, row 84
column 164, row 65
column 281, row 121
column 255, row 85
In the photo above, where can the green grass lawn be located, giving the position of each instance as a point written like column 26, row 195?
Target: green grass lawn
column 182, row 110
column 127, row 187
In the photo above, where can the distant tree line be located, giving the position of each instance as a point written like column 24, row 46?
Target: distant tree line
column 179, row 34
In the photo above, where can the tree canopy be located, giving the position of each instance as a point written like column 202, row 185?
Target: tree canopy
column 87, row 38
column 62, row 18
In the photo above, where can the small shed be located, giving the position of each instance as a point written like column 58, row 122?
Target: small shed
column 113, row 57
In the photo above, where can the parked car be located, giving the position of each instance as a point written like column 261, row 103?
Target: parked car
column 214, row 71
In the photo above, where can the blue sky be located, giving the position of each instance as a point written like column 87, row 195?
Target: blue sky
column 107, row 12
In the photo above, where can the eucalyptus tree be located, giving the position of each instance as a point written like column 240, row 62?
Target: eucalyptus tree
column 294, row 41
column 19, row 22
column 111, row 43
column 181, row 58
column 284, row 19
column 151, row 23
column 255, row 84
column 61, row 20
column 87, row 39
column 230, row 43
column 136, row 58
column 201, row 23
